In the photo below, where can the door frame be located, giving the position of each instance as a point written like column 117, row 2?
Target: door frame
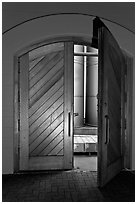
column 129, row 107
column 16, row 143
column 76, row 40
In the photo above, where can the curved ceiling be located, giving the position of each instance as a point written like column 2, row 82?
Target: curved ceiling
column 122, row 13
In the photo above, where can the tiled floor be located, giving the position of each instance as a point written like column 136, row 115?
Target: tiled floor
column 67, row 186
column 85, row 162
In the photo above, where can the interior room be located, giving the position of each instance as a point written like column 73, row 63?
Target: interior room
column 85, row 107
column 68, row 102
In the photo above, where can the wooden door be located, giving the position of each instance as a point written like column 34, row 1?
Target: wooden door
column 111, row 107
column 46, row 108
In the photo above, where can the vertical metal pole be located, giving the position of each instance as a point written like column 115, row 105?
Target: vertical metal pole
column 85, row 78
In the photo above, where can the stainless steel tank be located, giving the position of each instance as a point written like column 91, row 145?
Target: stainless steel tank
column 79, row 87
column 91, row 88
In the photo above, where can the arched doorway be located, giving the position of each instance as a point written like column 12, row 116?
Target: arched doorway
column 63, row 157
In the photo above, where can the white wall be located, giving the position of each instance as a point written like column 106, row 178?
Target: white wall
column 28, row 34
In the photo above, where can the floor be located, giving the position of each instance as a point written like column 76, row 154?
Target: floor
column 85, row 162
column 67, row 186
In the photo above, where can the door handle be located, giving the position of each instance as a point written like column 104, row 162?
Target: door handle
column 107, row 129
column 69, row 123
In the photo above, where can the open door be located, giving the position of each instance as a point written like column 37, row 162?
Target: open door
column 110, row 107
column 46, row 108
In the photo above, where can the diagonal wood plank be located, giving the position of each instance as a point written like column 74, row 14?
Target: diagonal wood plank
column 45, row 68
column 61, row 152
column 49, row 148
column 40, row 129
column 39, row 122
column 56, row 125
column 40, row 115
column 45, row 87
column 46, row 49
column 35, row 88
column 46, row 96
column 57, row 148
column 44, row 139
column 48, row 102
column 33, row 63
column 44, row 61
column 44, row 117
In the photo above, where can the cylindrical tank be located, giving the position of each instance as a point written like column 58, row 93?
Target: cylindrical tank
column 79, row 87
column 91, row 88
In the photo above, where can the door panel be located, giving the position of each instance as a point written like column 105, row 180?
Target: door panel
column 111, row 107
column 43, row 83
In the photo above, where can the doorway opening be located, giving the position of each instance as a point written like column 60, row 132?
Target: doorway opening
column 85, row 108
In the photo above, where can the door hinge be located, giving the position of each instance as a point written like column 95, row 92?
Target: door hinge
column 18, row 125
column 18, row 96
column 19, row 149
column 18, row 65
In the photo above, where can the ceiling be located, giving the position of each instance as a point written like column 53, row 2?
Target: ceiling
column 14, row 13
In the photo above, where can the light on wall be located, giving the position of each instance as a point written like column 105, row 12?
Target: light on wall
column 85, row 85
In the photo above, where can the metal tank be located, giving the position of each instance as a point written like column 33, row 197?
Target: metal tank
column 91, row 88
column 78, row 87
